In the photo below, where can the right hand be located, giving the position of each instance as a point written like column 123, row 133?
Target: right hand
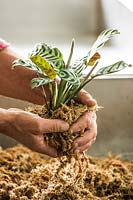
column 28, row 129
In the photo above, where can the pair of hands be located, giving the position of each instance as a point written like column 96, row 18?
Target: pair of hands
column 28, row 128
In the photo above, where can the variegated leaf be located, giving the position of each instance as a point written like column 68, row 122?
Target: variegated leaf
column 111, row 68
column 80, row 65
column 69, row 76
column 52, row 55
column 36, row 82
column 26, row 63
column 44, row 66
column 101, row 40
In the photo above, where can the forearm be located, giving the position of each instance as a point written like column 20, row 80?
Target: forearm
column 16, row 83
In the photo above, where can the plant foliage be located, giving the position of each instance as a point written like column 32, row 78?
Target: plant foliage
column 49, row 64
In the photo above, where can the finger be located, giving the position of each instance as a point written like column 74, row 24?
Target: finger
column 83, row 148
column 40, row 146
column 76, row 147
column 50, row 151
column 15, row 109
column 85, row 98
column 83, row 122
column 86, row 138
column 52, row 125
column 94, row 140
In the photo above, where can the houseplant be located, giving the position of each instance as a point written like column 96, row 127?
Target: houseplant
column 49, row 64
column 25, row 174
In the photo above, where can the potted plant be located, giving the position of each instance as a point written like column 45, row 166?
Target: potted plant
column 49, row 64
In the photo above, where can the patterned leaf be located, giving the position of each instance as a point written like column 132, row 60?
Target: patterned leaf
column 80, row 65
column 69, row 76
column 44, row 66
column 111, row 68
column 26, row 63
column 52, row 55
column 101, row 40
column 36, row 82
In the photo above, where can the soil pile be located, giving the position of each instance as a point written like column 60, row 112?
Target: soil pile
column 28, row 175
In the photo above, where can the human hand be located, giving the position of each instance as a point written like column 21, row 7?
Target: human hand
column 86, row 123
column 29, row 129
column 85, row 98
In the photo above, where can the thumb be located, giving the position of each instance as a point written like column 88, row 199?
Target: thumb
column 53, row 125
column 47, row 150
column 85, row 98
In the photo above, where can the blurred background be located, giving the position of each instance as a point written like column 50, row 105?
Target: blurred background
column 56, row 22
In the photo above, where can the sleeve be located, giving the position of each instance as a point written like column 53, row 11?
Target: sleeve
column 3, row 44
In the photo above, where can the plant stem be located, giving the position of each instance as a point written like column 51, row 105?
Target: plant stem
column 51, row 95
column 66, row 93
column 71, row 53
column 83, row 83
column 44, row 94
column 61, row 89
column 77, row 90
column 55, row 95
column 88, row 75
column 95, row 65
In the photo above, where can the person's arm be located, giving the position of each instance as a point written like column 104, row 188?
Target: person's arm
column 16, row 83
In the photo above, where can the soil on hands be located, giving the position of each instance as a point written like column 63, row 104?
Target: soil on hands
column 62, row 141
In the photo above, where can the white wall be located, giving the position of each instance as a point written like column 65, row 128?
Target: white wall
column 119, row 16
column 26, row 19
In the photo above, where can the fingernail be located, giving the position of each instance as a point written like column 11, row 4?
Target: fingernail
column 77, row 151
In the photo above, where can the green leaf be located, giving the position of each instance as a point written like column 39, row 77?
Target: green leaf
column 26, row 63
column 52, row 55
column 118, row 66
column 69, row 76
column 80, row 65
column 36, row 82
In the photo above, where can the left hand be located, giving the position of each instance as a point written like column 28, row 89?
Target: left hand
column 86, row 123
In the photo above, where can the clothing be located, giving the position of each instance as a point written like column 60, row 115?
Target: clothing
column 3, row 44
